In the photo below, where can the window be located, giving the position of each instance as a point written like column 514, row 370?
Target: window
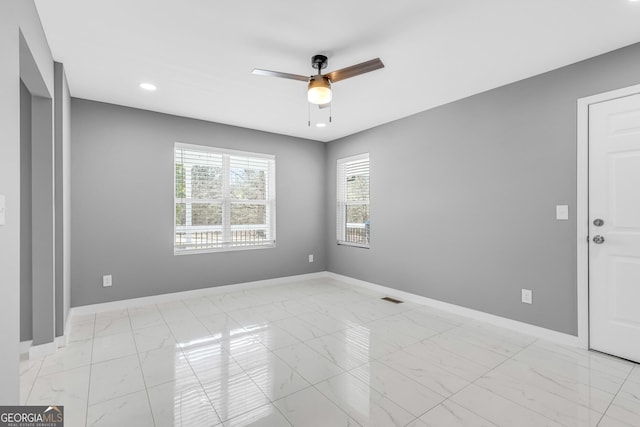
column 224, row 200
column 353, row 222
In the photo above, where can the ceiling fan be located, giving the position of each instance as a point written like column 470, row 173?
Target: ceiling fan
column 319, row 90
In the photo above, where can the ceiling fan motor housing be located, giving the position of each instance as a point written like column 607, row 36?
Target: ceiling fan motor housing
column 319, row 62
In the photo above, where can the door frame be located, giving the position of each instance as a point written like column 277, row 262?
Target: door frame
column 582, row 204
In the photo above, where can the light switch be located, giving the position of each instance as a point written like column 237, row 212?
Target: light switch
column 562, row 212
column 3, row 209
column 107, row 280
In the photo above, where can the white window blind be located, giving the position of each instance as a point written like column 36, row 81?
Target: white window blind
column 353, row 221
column 224, row 200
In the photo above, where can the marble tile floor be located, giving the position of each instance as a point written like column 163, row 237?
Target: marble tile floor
column 321, row 353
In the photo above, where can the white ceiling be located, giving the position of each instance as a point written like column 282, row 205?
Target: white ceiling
column 200, row 53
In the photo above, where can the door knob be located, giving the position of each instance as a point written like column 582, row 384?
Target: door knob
column 598, row 240
column 598, row 222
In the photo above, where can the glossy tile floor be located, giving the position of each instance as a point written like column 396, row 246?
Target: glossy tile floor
column 321, row 353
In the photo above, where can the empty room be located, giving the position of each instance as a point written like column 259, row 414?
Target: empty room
column 283, row 213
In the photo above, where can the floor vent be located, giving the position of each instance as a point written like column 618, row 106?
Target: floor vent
column 393, row 300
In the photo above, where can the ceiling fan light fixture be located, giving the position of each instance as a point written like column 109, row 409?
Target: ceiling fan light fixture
column 319, row 90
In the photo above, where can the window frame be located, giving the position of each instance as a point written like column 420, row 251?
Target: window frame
column 227, row 201
column 341, row 202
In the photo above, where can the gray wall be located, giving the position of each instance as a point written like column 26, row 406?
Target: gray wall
column 26, row 277
column 122, row 205
column 42, row 194
column 16, row 16
column 62, row 231
column 42, row 220
column 62, row 153
column 463, row 196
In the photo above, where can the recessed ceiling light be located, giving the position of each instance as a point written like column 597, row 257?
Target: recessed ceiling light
column 148, row 86
column 321, row 125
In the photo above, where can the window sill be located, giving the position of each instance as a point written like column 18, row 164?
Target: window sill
column 355, row 245
column 217, row 250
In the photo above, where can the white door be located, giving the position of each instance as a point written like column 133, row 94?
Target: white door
column 614, row 241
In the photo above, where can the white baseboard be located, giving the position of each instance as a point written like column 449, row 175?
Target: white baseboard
column 503, row 322
column 64, row 339
column 25, row 346
column 61, row 341
column 42, row 350
column 164, row 298
column 536, row 331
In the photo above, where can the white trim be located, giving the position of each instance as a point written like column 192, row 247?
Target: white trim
column 355, row 245
column 225, row 202
column 219, row 150
column 42, row 350
column 354, row 158
column 63, row 340
column 223, row 249
column 25, row 346
column 503, row 322
column 582, row 222
column 175, row 296
column 582, row 203
column 526, row 328
column 341, row 197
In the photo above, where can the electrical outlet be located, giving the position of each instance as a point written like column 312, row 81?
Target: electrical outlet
column 107, row 281
column 527, row 296
column 310, row 257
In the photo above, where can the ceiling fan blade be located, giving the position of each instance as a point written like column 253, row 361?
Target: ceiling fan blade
column 260, row 72
column 354, row 70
